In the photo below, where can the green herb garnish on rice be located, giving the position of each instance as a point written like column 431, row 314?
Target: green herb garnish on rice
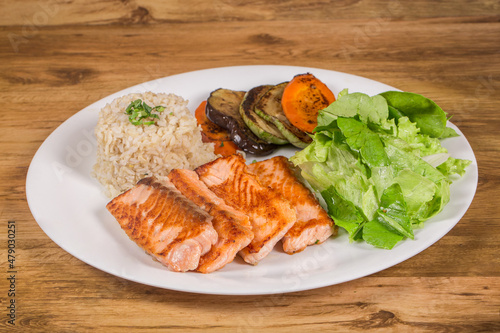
column 139, row 113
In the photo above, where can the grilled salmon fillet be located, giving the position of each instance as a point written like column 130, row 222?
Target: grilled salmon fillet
column 313, row 224
column 270, row 214
column 158, row 218
column 232, row 226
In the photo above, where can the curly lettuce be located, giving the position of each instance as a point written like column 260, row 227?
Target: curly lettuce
column 379, row 165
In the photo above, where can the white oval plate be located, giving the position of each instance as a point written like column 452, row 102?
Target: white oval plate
column 70, row 207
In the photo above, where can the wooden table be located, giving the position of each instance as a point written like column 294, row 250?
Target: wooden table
column 56, row 57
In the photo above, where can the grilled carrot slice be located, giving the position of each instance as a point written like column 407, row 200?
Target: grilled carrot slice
column 302, row 98
column 225, row 148
column 211, row 132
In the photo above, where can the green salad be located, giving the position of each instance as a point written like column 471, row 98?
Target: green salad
column 378, row 163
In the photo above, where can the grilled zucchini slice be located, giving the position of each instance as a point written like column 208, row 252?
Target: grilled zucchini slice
column 262, row 128
column 269, row 108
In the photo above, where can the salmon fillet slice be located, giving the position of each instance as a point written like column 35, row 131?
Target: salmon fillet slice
column 270, row 214
column 313, row 224
column 169, row 227
column 232, row 226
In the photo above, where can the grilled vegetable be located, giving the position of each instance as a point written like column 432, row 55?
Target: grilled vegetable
column 302, row 98
column 210, row 132
column 269, row 108
column 223, row 109
column 258, row 125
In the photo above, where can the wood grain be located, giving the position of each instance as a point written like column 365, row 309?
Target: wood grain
column 126, row 12
column 57, row 57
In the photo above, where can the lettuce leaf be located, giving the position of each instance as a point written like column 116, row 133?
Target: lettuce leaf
column 369, row 109
column 344, row 212
column 428, row 116
column 360, row 138
column 453, row 166
column 377, row 234
column 410, row 133
column 392, row 223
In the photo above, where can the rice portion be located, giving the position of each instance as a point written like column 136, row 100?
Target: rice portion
column 127, row 153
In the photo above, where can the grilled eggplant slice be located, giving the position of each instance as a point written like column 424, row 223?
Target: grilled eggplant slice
column 259, row 126
column 269, row 108
column 223, row 109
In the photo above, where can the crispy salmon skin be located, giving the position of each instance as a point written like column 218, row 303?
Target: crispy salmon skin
column 271, row 216
column 313, row 224
column 232, row 226
column 158, row 218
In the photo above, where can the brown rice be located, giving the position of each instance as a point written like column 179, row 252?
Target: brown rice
column 126, row 153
